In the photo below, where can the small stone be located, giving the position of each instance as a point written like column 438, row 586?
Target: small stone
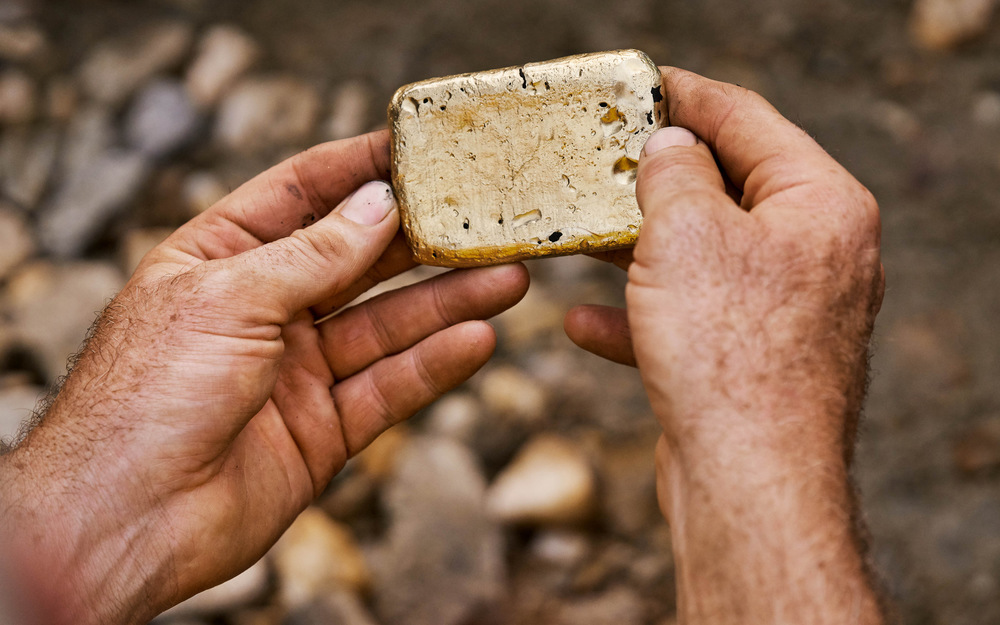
column 16, row 242
column 508, row 392
column 456, row 415
column 896, row 119
column 560, row 547
column 162, row 119
column 247, row 587
column 118, row 67
column 17, row 404
column 27, row 158
column 224, row 54
column 977, row 449
column 443, row 561
column 986, row 109
column 89, row 199
column 18, row 97
column 20, row 42
column 202, row 189
column 349, row 111
column 378, row 460
column 137, row 243
column 317, row 556
column 265, row 113
column 90, row 133
column 550, row 481
column 944, row 24
column 37, row 298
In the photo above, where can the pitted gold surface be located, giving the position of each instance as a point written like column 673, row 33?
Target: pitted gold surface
column 526, row 161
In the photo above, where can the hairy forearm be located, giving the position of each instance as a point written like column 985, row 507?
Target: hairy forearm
column 764, row 531
column 76, row 562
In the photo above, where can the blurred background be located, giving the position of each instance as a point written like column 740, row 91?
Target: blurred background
column 527, row 495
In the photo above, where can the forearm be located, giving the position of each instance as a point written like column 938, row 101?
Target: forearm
column 764, row 532
column 75, row 560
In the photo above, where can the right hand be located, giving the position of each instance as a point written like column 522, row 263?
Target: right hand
column 750, row 304
column 768, row 296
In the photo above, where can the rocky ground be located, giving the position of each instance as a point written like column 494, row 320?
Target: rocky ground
column 526, row 496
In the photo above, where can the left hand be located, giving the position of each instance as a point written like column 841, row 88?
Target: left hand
column 208, row 409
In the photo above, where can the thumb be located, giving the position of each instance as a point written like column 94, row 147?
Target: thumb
column 675, row 163
column 319, row 261
column 680, row 192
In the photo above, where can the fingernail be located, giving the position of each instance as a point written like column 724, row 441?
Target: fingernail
column 669, row 137
column 370, row 204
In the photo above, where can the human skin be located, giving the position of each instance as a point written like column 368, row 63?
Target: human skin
column 751, row 297
column 208, row 409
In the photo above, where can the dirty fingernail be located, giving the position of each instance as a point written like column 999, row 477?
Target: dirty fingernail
column 370, row 204
column 669, row 137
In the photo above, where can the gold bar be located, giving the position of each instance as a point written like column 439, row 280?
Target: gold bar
column 515, row 163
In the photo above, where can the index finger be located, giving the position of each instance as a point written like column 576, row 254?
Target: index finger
column 762, row 152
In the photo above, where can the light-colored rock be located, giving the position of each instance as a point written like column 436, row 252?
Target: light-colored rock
column 224, row 54
column 896, row 119
column 117, row 67
column 986, row 109
column 90, row 133
column 443, row 561
column 456, row 415
column 478, row 185
column 18, row 97
column 349, row 107
column 51, row 307
column 202, row 189
column 550, row 481
column 559, row 547
column 27, row 158
column 317, row 556
column 137, row 243
column 16, row 407
column 21, row 42
column 944, row 24
column 16, row 242
column 162, row 119
column 89, row 199
column 509, row 392
column 245, row 588
column 263, row 113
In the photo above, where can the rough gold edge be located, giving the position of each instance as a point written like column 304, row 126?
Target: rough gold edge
column 498, row 255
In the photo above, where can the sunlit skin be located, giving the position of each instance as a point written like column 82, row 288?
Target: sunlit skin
column 209, row 408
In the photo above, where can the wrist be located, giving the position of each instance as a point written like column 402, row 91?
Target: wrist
column 79, row 552
column 763, row 532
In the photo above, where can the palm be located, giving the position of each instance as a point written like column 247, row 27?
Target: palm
column 245, row 407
